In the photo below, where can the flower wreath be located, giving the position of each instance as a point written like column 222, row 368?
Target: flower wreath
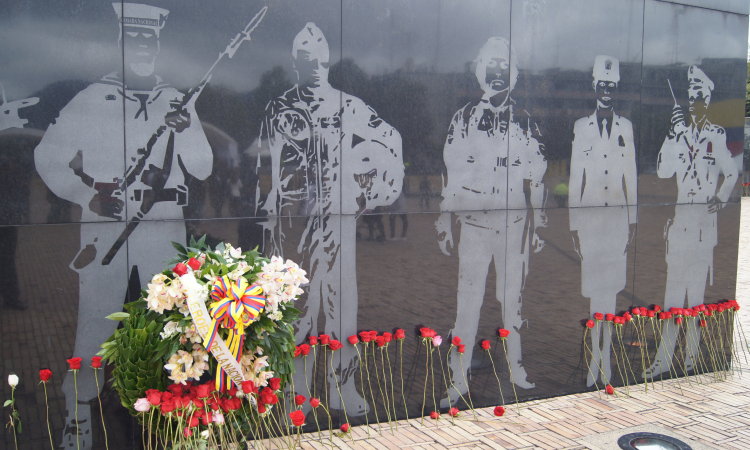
column 234, row 305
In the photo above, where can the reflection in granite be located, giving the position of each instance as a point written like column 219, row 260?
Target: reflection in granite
column 399, row 72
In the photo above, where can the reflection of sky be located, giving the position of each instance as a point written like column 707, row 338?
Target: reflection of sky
column 47, row 41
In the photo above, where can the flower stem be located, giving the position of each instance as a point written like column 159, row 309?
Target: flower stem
column 383, row 394
column 362, row 383
column 505, row 350
column 46, row 402
column 468, row 391
column 426, row 376
column 101, row 409
column 369, row 383
column 403, row 396
column 393, row 391
column 341, row 398
column 586, row 345
column 75, row 383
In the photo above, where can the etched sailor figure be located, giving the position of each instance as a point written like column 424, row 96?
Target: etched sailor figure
column 329, row 153
column 695, row 153
column 80, row 158
column 602, row 200
column 491, row 151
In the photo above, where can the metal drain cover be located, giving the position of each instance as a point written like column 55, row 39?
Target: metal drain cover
column 650, row 441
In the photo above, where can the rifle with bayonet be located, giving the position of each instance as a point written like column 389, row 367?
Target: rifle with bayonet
column 155, row 177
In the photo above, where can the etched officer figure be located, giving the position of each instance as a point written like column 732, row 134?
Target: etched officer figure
column 490, row 152
column 602, row 200
column 80, row 158
column 695, row 153
column 329, row 153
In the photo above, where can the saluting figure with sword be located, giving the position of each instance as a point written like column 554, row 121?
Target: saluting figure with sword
column 80, row 159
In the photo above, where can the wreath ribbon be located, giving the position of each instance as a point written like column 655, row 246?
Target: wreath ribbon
column 236, row 305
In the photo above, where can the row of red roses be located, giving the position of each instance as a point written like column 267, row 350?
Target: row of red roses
column 676, row 313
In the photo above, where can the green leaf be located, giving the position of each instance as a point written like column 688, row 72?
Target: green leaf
column 118, row 316
column 179, row 248
column 7, row 402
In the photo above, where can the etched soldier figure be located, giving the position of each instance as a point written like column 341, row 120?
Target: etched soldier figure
column 329, row 152
column 490, row 152
column 695, row 152
column 9, row 111
column 602, row 202
column 80, row 158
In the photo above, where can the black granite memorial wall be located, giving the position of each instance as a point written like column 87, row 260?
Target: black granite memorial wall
column 461, row 165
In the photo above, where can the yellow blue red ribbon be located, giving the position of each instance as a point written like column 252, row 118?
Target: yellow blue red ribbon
column 236, row 305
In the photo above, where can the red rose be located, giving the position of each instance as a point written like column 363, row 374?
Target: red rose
column 486, row 344
column 388, row 337
column 696, row 313
column 721, row 308
column 274, row 383
column 45, row 375
column 166, row 396
column 636, row 311
column 236, row 404
column 373, row 334
column 651, row 314
column 206, row 418
column 619, row 320
column 96, row 362
column 314, row 402
column 609, row 317
column 335, row 345
column 325, row 339
column 300, row 400
column 712, row 307
column 456, row 341
column 187, row 432
column 198, row 403
column 186, row 402
column 707, row 313
column 499, row 411
column 427, row 332
column 268, row 397
column 353, row 339
column 657, row 308
column 194, row 264
column 662, row 315
column 434, row 415
column 400, row 334
column 453, row 412
column 345, row 428
column 737, row 307
column 313, row 340
column 599, row 316
column 204, row 390
column 194, row 421
column 365, row 335
column 503, row 333
column 248, row 387
column 297, row 351
column 175, row 389
column 461, row 348
column 166, row 407
column 590, row 324
column 305, row 349
column 610, row 390
column 75, row 363
column 703, row 323
column 298, row 418
column 380, row 341
column 678, row 320
column 261, row 408
column 232, row 391
column 180, row 269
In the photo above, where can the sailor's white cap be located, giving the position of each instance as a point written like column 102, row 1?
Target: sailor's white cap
column 606, row 68
column 138, row 15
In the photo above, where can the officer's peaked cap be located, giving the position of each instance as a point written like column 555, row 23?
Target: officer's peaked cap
column 606, row 68
column 137, row 15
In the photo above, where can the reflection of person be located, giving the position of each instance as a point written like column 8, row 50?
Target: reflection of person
column 490, row 153
column 696, row 153
column 602, row 204
column 14, row 203
column 318, row 166
column 80, row 160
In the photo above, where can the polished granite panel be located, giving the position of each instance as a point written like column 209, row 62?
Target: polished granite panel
column 557, row 80
column 64, row 297
column 718, row 59
column 414, row 63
